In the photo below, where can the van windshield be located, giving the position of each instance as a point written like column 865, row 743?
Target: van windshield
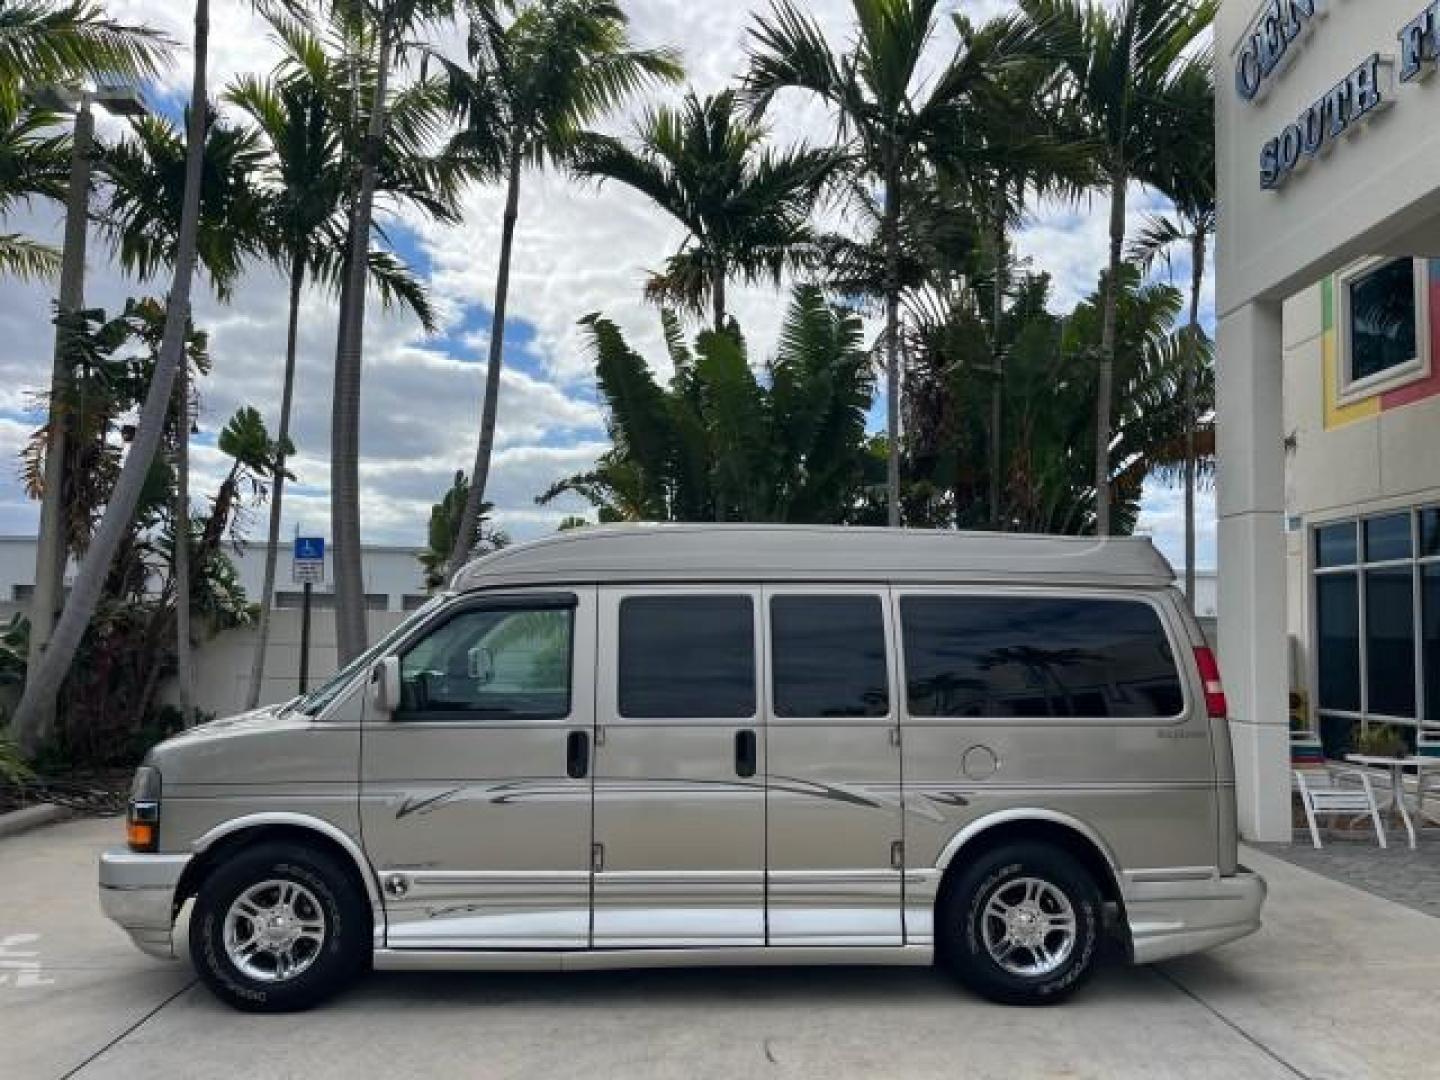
column 315, row 701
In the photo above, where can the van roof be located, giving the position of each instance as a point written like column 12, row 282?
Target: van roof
column 676, row 552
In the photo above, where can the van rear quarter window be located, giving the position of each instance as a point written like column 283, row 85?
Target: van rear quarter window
column 684, row 657
column 1037, row 658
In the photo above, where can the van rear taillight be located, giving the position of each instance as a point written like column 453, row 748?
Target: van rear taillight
column 1215, row 703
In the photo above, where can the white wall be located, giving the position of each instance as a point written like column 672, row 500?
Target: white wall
column 222, row 663
column 393, row 571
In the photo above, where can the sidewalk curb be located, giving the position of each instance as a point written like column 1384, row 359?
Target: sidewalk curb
column 31, row 817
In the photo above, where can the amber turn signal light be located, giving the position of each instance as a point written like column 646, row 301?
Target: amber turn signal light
column 141, row 835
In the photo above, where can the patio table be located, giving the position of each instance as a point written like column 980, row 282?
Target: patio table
column 1396, row 765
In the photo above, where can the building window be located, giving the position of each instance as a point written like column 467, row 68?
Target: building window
column 1384, row 326
column 414, row 601
column 1377, row 623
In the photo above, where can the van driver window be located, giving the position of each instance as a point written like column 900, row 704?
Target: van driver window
column 1023, row 658
column 497, row 664
column 687, row 657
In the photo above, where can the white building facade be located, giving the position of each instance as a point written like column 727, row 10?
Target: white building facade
column 1329, row 389
column 393, row 576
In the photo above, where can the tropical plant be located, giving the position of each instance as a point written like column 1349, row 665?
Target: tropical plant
column 1017, row 137
column 146, row 175
column 301, row 114
column 1118, row 59
column 42, row 41
column 529, row 88
column 34, row 717
column 444, row 522
column 133, row 640
column 721, row 445
column 1184, row 170
column 376, row 36
column 745, row 208
column 889, row 113
column 34, row 163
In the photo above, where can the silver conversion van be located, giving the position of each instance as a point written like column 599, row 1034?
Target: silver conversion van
column 666, row 745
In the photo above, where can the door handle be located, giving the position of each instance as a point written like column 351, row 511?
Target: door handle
column 577, row 755
column 745, row 747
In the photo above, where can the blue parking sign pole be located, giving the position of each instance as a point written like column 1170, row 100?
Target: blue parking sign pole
column 305, row 637
column 308, row 566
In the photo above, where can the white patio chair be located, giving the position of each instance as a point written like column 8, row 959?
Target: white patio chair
column 1330, row 791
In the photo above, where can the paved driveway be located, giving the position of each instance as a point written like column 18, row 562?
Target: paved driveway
column 77, row 1000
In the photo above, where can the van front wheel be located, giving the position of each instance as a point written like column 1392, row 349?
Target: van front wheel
column 278, row 927
column 1021, row 924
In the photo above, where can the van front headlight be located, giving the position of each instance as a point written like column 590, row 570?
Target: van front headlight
column 142, row 813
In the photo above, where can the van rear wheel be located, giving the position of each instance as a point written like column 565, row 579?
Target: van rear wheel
column 278, row 928
column 1021, row 924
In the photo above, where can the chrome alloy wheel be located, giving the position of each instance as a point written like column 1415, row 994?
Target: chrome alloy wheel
column 1029, row 927
column 274, row 931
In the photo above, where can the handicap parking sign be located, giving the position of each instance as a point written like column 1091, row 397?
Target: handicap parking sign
column 310, row 549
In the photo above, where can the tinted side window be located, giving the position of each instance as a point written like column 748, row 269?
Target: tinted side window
column 829, row 656
column 687, row 656
column 1037, row 658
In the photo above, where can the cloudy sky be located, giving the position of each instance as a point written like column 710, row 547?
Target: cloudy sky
column 579, row 249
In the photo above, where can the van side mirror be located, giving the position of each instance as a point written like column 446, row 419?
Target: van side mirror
column 385, row 692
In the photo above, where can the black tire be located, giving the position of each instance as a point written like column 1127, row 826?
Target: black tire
column 340, row 956
column 962, row 918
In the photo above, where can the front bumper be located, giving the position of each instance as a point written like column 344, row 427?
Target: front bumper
column 137, row 891
column 1178, row 916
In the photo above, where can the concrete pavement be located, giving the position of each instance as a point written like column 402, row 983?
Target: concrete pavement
column 77, row 1000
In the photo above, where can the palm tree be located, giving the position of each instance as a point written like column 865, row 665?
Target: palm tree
column 720, row 444
column 444, row 521
column 526, row 95
column 1015, row 139
column 745, row 209
column 34, row 163
column 1118, row 59
column 376, row 37
column 146, row 176
column 1185, row 172
column 300, row 114
column 34, row 716
column 889, row 115
column 45, row 42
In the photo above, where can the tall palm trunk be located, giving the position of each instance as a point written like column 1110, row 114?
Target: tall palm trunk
column 185, row 674
column 997, row 361
column 1105, row 389
column 277, row 493
column 717, row 294
column 892, row 332
column 1192, row 363
column 350, row 632
column 480, row 474
column 32, row 724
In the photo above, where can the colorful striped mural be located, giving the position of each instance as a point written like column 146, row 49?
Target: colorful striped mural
column 1337, row 414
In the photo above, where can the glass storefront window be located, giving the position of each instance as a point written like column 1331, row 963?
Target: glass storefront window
column 1387, row 538
column 1430, row 639
column 1430, row 532
column 1390, row 642
column 1335, row 545
column 1337, row 621
column 1377, row 621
